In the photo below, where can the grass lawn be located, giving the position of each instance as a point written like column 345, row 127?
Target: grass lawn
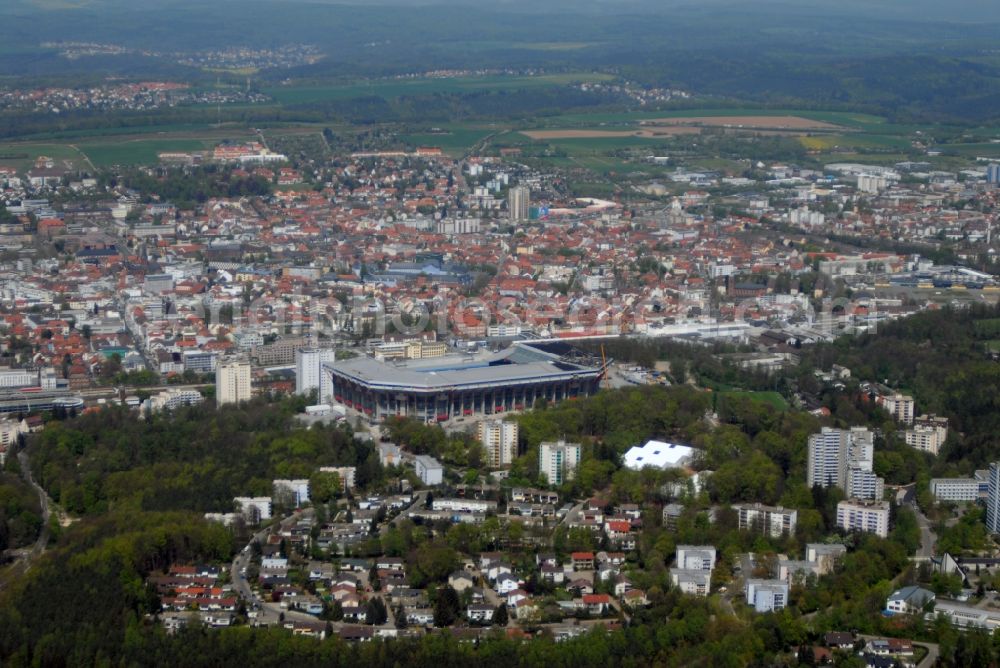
column 452, row 140
column 772, row 398
column 139, row 151
column 22, row 155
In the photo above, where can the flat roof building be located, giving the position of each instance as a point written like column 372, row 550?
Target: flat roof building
column 443, row 388
column 867, row 516
column 658, row 454
column 429, row 470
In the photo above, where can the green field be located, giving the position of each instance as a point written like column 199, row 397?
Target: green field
column 139, row 151
column 989, row 150
column 454, row 140
column 399, row 87
column 773, row 399
column 31, row 151
column 847, row 119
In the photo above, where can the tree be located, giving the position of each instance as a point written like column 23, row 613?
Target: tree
column 324, row 486
column 375, row 612
column 446, row 607
column 500, row 616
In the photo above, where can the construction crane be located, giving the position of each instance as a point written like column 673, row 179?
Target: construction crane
column 604, row 365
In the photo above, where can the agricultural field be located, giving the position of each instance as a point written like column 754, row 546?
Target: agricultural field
column 94, row 150
column 22, row 156
column 453, row 140
column 846, row 119
column 292, row 95
column 139, row 151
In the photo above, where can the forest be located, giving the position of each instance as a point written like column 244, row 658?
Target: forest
column 195, row 459
column 20, row 514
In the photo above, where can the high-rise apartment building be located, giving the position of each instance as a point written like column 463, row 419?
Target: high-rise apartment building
column 309, row 374
column 993, row 174
column 557, row 461
column 519, row 203
column 993, row 499
column 900, row 406
column 499, row 438
column 232, row 382
column 834, row 452
column 864, row 484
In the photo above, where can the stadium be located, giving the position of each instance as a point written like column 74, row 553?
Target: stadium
column 443, row 388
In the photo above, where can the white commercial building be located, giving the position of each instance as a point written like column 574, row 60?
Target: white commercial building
column 824, row 556
column 429, row 470
column 295, row 491
column 767, row 595
column 867, row 516
column 658, row 454
column 10, row 430
column 254, row 508
column 232, row 382
column 19, row 378
column 389, row 454
column 959, row 490
column 696, row 557
column 173, row 398
column 499, row 438
column 309, row 374
column 557, row 461
column 692, row 582
column 464, row 505
column 346, row 474
column 963, row 615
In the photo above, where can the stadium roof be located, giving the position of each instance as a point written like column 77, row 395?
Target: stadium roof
column 522, row 363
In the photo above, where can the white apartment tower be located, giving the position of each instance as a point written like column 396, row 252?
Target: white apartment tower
column 900, row 406
column 993, row 499
column 309, row 374
column 834, row 452
column 499, row 438
column 519, row 203
column 232, row 382
column 557, row 461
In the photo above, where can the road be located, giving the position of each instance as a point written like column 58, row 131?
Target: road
column 26, row 555
column 43, row 500
column 419, row 498
column 928, row 539
column 572, row 515
column 268, row 613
